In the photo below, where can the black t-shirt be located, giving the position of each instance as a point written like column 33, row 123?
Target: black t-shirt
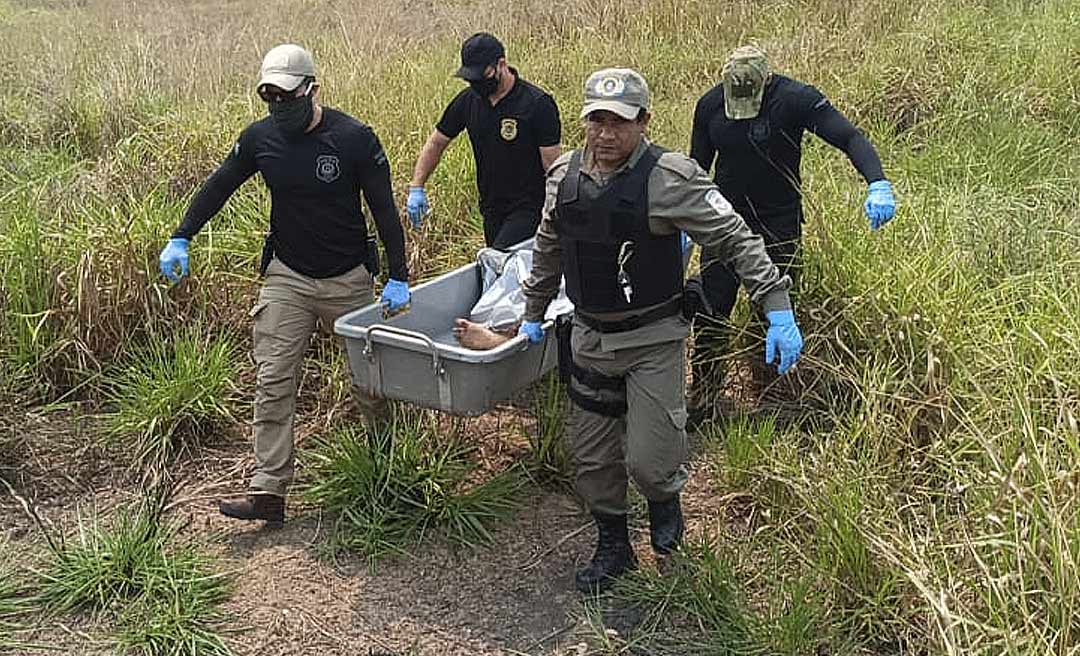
column 506, row 139
column 315, row 181
column 757, row 160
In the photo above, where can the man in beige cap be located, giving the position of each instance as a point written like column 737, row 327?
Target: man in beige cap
column 611, row 224
column 318, row 260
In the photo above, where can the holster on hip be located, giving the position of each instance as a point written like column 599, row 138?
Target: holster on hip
column 570, row 371
column 694, row 300
column 267, row 253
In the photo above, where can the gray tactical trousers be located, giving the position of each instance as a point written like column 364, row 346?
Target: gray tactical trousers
column 649, row 443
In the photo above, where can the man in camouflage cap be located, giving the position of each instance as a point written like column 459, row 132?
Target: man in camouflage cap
column 611, row 224
column 751, row 126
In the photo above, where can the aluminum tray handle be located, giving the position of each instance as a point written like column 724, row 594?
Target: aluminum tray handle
column 401, row 332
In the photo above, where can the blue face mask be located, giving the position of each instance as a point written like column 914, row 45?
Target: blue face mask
column 292, row 116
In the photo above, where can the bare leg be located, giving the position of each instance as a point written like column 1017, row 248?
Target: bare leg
column 479, row 337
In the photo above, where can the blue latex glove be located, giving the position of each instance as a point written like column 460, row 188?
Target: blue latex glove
column 395, row 295
column 534, row 330
column 880, row 204
column 172, row 256
column 417, row 206
column 783, row 339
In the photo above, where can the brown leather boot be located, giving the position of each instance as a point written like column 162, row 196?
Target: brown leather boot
column 261, row 505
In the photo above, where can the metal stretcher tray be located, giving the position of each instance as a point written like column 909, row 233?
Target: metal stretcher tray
column 415, row 357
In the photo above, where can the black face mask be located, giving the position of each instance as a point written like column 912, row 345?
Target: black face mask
column 292, row 117
column 486, row 87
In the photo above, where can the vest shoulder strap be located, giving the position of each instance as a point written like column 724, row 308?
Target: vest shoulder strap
column 568, row 187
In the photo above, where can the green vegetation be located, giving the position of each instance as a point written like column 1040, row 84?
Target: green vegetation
column 158, row 590
column 551, row 462
column 392, row 488
column 13, row 603
column 926, row 502
column 171, row 391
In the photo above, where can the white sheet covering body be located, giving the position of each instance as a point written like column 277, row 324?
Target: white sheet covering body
column 502, row 303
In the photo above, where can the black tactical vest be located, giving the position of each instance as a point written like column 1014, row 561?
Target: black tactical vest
column 595, row 225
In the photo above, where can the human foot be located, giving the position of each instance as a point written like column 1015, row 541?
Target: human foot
column 477, row 336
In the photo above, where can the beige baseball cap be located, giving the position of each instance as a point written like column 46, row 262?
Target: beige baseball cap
column 744, row 76
column 619, row 90
column 286, row 67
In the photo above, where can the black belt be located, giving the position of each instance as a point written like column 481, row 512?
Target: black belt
column 668, row 309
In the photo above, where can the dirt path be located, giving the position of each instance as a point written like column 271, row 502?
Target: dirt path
column 517, row 595
column 514, row 597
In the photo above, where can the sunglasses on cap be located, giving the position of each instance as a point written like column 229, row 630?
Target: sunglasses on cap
column 272, row 94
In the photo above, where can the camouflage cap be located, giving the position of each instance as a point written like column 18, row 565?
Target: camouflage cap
column 619, row 90
column 744, row 77
column 286, row 67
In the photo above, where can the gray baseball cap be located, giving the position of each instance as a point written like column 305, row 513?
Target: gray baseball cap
column 619, row 90
column 286, row 67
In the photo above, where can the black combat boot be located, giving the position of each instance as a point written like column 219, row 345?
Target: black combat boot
column 613, row 556
column 267, row 507
column 666, row 525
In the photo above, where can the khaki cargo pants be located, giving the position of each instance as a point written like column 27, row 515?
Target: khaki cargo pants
column 649, row 443
column 284, row 319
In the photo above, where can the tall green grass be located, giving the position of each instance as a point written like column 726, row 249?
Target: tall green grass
column 157, row 590
column 392, row 489
column 169, row 393
column 551, row 463
column 13, row 602
column 925, row 503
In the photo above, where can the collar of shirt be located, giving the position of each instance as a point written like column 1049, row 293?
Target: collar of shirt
column 588, row 166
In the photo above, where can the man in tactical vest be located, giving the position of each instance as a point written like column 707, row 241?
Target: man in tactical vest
column 611, row 222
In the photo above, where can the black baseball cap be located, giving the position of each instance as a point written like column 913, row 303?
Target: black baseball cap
column 477, row 53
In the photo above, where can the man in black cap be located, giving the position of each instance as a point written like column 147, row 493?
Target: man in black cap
column 515, row 132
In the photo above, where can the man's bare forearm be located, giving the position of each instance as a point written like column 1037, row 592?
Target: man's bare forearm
column 429, row 158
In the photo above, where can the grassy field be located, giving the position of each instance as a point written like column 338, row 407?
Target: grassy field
column 924, row 502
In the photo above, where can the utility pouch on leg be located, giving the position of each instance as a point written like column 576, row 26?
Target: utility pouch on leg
column 564, row 326
column 267, row 254
column 570, row 371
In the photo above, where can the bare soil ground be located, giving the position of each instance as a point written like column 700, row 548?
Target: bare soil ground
column 515, row 596
column 291, row 596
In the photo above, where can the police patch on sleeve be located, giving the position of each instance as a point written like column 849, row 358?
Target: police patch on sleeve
column 717, row 201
